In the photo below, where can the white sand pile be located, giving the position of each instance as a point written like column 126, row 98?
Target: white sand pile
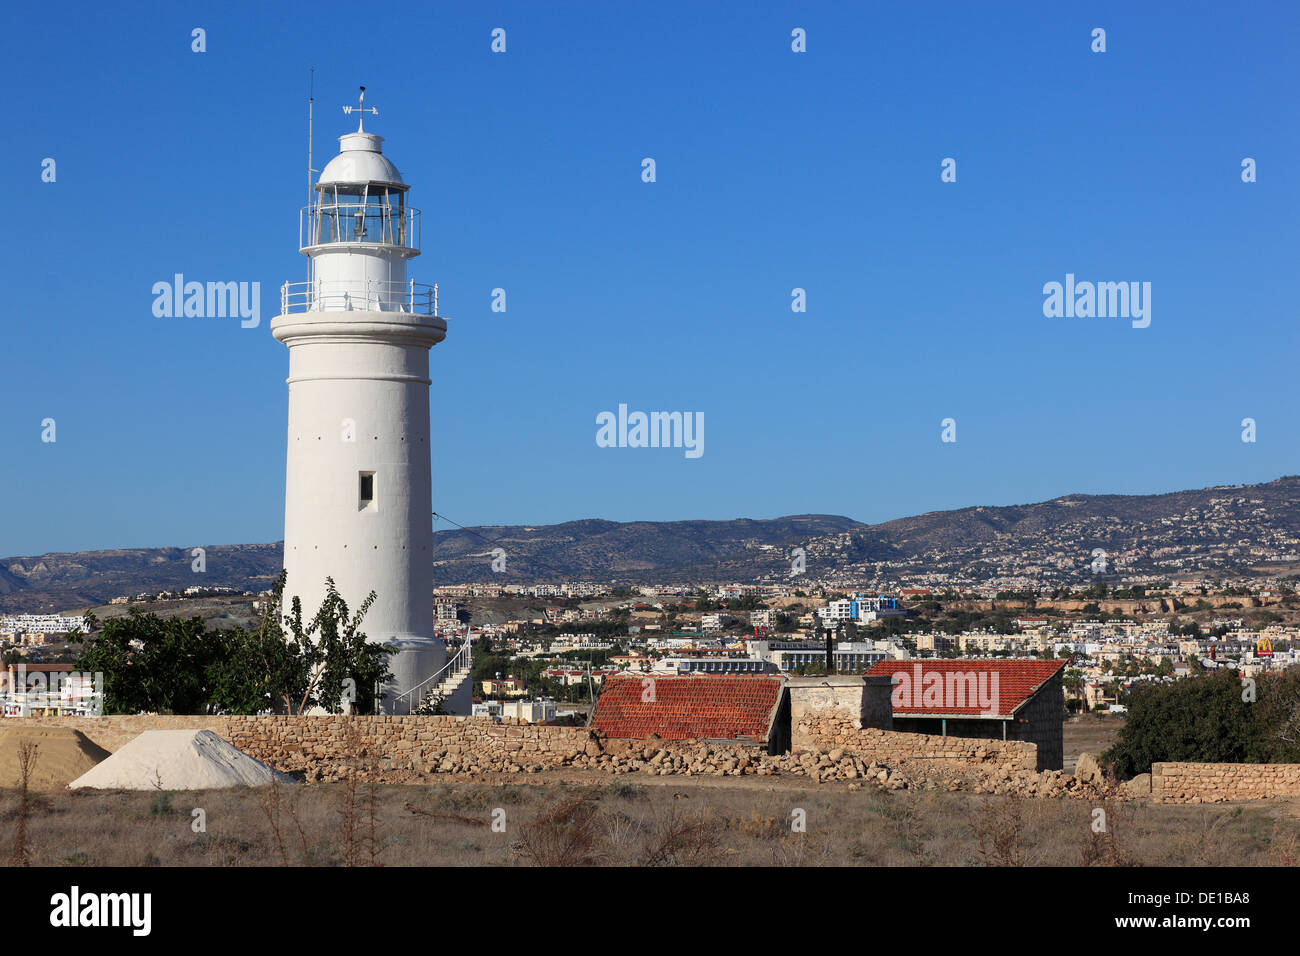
column 178, row 760
column 62, row 754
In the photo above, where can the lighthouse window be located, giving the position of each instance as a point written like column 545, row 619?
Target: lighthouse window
column 367, row 489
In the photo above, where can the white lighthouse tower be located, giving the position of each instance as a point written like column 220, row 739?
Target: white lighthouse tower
column 358, row 491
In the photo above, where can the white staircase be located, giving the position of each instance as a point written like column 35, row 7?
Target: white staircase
column 442, row 685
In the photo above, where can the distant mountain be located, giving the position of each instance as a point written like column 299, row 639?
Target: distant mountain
column 592, row 549
column 53, row 582
column 634, row 550
column 1216, row 532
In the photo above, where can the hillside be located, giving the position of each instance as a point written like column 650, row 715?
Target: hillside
column 1222, row 531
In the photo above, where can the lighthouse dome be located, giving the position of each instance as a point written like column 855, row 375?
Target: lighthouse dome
column 360, row 160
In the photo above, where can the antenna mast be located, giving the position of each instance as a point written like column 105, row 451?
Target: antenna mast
column 311, row 103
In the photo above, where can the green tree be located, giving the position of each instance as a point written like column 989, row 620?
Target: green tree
column 320, row 657
column 151, row 663
column 239, row 681
column 175, row 665
column 1203, row 718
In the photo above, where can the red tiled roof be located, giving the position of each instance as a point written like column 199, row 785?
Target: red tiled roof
column 689, row 706
column 1000, row 687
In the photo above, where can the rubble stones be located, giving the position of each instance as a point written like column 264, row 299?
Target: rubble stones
column 1088, row 769
column 1139, row 786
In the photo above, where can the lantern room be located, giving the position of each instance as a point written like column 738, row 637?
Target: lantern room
column 360, row 198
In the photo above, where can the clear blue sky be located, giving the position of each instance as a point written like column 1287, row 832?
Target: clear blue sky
column 775, row 170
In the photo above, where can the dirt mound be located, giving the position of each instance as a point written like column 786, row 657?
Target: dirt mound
column 178, row 760
column 62, row 755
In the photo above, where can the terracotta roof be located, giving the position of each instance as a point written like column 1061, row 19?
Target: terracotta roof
column 999, row 687
column 689, row 706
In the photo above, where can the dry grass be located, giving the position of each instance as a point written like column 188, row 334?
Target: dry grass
column 27, row 755
column 277, row 802
column 999, row 830
column 677, row 836
column 565, row 833
column 676, row 823
column 1105, row 842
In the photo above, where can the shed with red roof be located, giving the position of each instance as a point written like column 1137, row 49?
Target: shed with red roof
column 1001, row 699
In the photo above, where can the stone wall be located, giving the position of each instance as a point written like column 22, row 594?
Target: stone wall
column 828, row 730
column 394, row 747
column 112, row 732
column 855, row 715
column 1219, row 782
column 855, row 696
column 407, row 748
column 827, row 744
column 1128, row 606
column 410, row 749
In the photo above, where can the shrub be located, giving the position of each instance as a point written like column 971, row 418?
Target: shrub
column 1204, row 719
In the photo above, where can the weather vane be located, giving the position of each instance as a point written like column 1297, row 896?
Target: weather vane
column 361, row 108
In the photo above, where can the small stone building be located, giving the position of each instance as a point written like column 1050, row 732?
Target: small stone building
column 998, row 699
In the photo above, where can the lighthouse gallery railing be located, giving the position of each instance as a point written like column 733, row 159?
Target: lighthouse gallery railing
column 369, row 295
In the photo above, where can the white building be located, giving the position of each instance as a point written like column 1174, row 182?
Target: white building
column 535, row 711
column 835, row 612
column 40, row 623
column 357, row 487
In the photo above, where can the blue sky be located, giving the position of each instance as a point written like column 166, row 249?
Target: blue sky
column 775, row 170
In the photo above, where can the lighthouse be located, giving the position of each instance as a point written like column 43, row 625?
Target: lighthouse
column 357, row 486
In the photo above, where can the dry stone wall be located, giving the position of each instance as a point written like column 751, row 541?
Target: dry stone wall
column 828, row 730
column 411, row 748
column 828, row 746
column 1220, row 782
column 865, row 698
column 392, row 748
column 112, row 733
column 900, row 760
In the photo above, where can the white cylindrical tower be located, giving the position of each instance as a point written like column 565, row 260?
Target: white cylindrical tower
column 358, row 497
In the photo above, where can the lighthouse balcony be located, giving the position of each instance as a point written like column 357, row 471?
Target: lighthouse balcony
column 361, row 295
column 369, row 223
